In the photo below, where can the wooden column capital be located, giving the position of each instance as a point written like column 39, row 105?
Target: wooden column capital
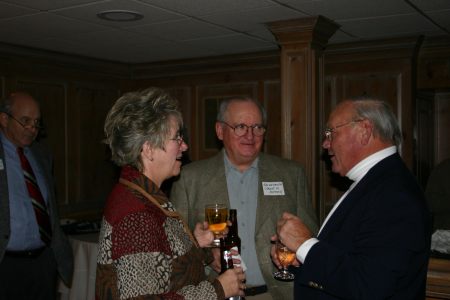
column 315, row 31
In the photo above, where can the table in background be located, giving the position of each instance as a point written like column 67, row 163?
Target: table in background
column 85, row 248
column 438, row 278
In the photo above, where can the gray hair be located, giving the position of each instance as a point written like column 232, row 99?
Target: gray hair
column 380, row 113
column 225, row 103
column 136, row 118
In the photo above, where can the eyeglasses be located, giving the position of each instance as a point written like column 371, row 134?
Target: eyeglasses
column 179, row 139
column 26, row 122
column 242, row 129
column 328, row 132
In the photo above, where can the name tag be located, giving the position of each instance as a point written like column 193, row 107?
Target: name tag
column 273, row 188
column 1, row 165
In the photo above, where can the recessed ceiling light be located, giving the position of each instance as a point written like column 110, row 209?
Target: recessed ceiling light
column 120, row 15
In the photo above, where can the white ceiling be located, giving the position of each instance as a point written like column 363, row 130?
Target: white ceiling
column 178, row 29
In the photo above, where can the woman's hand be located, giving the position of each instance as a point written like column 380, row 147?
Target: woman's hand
column 215, row 265
column 233, row 282
column 203, row 235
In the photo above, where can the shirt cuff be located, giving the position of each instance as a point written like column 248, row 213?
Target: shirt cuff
column 304, row 248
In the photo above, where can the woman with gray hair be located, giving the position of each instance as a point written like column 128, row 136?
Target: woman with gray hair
column 146, row 250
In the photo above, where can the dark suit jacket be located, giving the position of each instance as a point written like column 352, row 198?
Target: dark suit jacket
column 375, row 245
column 204, row 181
column 60, row 245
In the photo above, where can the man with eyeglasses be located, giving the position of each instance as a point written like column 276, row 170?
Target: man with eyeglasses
column 375, row 242
column 258, row 185
column 33, row 248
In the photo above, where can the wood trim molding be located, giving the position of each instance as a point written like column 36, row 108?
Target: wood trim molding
column 407, row 47
column 208, row 65
column 65, row 61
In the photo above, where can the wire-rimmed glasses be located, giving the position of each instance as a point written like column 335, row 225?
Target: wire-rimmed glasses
column 328, row 132
column 242, row 129
column 26, row 122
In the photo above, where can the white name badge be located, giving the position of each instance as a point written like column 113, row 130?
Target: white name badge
column 273, row 188
column 1, row 164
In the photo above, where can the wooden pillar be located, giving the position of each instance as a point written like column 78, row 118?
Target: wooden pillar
column 302, row 43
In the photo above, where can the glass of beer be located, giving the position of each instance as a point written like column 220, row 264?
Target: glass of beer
column 286, row 258
column 216, row 215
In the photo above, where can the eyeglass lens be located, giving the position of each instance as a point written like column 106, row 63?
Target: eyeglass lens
column 242, row 129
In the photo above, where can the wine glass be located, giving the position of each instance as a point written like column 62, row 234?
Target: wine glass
column 286, row 258
column 216, row 215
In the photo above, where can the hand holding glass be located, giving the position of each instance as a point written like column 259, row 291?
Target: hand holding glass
column 216, row 215
column 286, row 258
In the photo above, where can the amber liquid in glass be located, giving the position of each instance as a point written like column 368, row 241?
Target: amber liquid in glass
column 216, row 215
column 286, row 258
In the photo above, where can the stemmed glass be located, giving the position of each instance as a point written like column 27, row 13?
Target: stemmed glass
column 286, row 258
column 216, row 215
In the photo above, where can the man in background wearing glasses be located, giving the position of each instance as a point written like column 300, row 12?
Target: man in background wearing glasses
column 258, row 185
column 375, row 242
column 33, row 249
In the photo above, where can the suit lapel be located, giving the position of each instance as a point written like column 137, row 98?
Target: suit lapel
column 217, row 183
column 339, row 215
column 265, row 207
column 358, row 192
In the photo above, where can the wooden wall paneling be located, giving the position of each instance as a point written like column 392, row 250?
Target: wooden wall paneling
column 272, row 104
column 442, row 126
column 184, row 96
column 52, row 96
column 209, row 97
column 425, row 135
column 91, row 173
column 434, row 64
column 2, row 87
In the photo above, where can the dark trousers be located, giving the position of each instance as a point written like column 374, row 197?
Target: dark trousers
column 28, row 277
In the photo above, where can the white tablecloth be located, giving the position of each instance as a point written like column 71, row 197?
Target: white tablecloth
column 85, row 247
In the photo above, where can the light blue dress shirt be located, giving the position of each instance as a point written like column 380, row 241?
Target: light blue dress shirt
column 24, row 229
column 243, row 194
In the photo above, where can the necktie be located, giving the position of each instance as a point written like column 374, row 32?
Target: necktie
column 39, row 206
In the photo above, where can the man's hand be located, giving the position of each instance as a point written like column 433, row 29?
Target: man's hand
column 274, row 256
column 292, row 232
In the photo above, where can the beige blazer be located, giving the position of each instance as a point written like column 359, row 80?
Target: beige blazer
column 204, row 181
